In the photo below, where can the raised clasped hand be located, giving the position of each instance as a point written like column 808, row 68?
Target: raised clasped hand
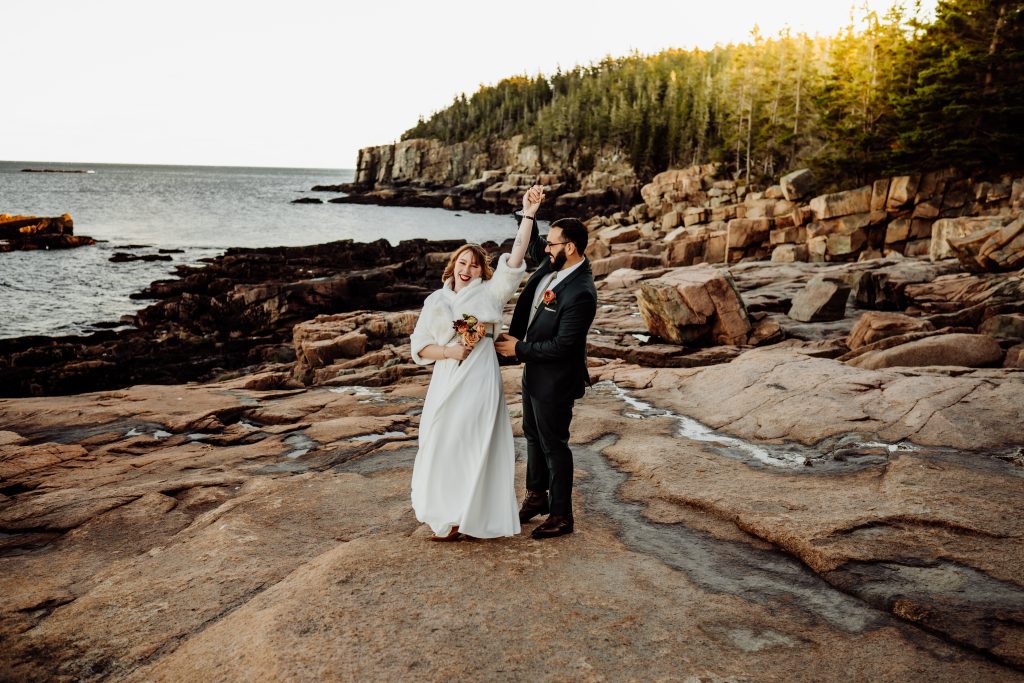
column 532, row 200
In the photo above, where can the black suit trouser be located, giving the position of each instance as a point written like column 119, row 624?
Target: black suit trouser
column 548, row 458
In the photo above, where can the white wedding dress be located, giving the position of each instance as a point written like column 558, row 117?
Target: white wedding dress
column 464, row 474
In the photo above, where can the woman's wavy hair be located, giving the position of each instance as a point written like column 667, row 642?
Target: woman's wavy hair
column 479, row 256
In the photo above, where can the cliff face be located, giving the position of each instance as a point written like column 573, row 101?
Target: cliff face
column 432, row 165
column 490, row 176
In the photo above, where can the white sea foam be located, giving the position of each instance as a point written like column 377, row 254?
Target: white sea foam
column 774, row 455
column 688, row 428
column 371, row 438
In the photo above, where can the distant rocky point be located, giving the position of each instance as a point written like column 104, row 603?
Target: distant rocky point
column 487, row 176
column 27, row 233
column 56, row 170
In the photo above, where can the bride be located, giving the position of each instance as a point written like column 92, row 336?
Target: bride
column 463, row 477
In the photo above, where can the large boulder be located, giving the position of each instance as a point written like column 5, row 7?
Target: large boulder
column 597, row 249
column 1004, row 326
column 500, row 192
column 696, row 214
column 698, row 244
column 966, row 350
column 689, row 246
column 879, row 193
column 39, row 232
column 956, row 228
column 694, row 304
column 992, row 249
column 619, row 234
column 634, row 260
column 685, row 252
column 898, row 230
column 671, row 220
column 902, row 191
column 743, row 232
column 876, row 325
column 328, row 338
column 791, row 235
column 625, row 278
column 822, row 299
column 796, row 185
column 1014, row 357
column 325, row 351
column 842, row 203
column 843, row 225
column 17, row 227
column 789, row 253
column 954, row 292
column 1005, row 249
column 845, row 244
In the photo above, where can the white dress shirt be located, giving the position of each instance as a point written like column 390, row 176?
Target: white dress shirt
column 549, row 283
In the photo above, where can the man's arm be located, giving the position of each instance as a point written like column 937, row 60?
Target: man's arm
column 572, row 333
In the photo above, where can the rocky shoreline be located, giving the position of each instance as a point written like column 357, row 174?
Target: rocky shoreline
column 26, row 233
column 483, row 177
column 803, row 468
column 238, row 311
column 823, row 516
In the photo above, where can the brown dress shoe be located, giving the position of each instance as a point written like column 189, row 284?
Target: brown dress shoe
column 534, row 504
column 554, row 525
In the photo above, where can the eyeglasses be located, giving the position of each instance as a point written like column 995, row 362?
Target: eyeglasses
column 553, row 244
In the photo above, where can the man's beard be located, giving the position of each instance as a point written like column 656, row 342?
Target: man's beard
column 558, row 261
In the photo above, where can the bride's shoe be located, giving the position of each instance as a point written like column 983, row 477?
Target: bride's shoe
column 453, row 535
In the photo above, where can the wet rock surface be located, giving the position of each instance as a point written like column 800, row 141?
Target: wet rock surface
column 236, row 312
column 768, row 488
column 777, row 506
column 217, row 531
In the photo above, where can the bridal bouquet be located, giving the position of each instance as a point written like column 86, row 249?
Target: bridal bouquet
column 470, row 329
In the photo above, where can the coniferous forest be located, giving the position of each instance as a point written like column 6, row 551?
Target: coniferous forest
column 886, row 94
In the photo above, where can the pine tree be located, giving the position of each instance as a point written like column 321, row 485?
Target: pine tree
column 966, row 103
column 886, row 93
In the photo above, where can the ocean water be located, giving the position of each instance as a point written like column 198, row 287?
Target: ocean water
column 198, row 209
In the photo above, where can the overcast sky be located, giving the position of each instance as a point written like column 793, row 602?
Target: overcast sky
column 307, row 83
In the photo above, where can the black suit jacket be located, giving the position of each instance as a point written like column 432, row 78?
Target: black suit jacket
column 555, row 350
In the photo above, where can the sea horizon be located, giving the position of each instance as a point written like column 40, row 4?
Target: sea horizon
column 158, row 165
column 200, row 210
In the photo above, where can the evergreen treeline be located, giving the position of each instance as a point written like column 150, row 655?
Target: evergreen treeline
column 892, row 94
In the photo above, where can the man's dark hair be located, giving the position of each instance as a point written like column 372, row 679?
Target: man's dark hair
column 574, row 231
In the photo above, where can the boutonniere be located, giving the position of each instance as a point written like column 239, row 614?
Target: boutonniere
column 549, row 297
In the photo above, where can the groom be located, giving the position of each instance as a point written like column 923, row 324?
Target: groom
column 549, row 334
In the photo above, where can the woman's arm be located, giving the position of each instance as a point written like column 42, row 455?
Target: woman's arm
column 531, row 202
column 438, row 352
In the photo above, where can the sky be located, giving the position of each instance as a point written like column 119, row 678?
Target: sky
column 306, row 83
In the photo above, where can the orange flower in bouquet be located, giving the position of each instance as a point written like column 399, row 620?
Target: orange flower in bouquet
column 470, row 329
